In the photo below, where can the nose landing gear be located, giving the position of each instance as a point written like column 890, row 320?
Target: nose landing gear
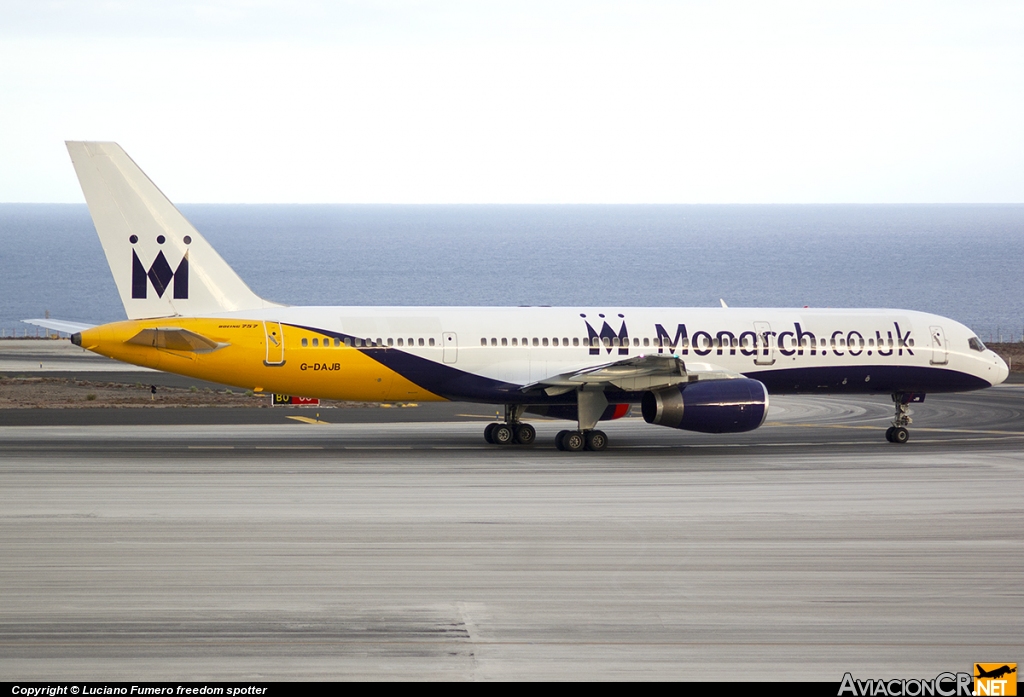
column 898, row 433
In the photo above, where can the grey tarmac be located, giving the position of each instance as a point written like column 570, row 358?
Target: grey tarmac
column 408, row 548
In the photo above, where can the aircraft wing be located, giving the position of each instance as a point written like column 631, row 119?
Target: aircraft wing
column 58, row 325
column 634, row 374
column 175, row 339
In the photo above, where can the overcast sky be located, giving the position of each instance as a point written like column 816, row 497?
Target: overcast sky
column 521, row 102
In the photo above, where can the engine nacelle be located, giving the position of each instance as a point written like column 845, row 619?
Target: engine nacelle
column 712, row 406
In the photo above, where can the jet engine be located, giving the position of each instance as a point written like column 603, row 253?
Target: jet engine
column 712, row 406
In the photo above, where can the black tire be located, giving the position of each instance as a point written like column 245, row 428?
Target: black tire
column 596, row 440
column 502, row 434
column 573, row 441
column 900, row 435
column 558, row 440
column 488, row 433
column 525, row 434
column 888, row 433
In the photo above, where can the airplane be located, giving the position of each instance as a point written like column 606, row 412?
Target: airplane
column 707, row 370
column 995, row 673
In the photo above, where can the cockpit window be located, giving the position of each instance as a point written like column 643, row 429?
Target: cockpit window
column 975, row 343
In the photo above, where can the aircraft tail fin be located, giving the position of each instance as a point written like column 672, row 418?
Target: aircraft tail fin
column 162, row 266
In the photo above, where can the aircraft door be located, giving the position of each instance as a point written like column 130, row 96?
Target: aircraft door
column 940, row 356
column 765, row 344
column 451, row 347
column 274, row 333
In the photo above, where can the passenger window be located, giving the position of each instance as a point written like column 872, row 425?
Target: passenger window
column 483, row 341
column 316, row 342
column 515, row 342
column 391, row 342
column 504, row 341
column 575, row 341
column 337, row 343
column 544, row 341
column 420, row 342
column 494, row 342
column 400, row 343
column 607, row 342
column 536, row 341
column 565, row 341
column 871, row 342
column 647, row 342
column 554, row 342
column 431, row 341
column 305, row 342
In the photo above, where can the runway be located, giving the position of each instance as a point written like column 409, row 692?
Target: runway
column 405, row 547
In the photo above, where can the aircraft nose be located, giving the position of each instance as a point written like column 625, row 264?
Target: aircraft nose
column 1002, row 371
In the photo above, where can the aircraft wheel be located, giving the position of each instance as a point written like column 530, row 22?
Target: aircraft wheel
column 525, row 434
column 558, row 440
column 888, row 433
column 596, row 440
column 489, row 433
column 900, row 435
column 573, row 441
column 502, row 434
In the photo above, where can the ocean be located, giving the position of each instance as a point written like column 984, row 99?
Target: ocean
column 960, row 261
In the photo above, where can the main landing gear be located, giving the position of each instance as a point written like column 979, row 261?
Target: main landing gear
column 591, row 405
column 574, row 441
column 513, row 430
column 898, row 433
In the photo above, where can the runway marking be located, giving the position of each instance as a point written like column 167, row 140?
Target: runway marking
column 288, row 447
column 931, row 430
column 532, row 419
column 377, row 447
column 211, row 447
column 464, row 640
column 307, row 420
column 806, row 444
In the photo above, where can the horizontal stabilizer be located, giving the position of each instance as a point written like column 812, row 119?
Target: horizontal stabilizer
column 175, row 339
column 58, row 325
